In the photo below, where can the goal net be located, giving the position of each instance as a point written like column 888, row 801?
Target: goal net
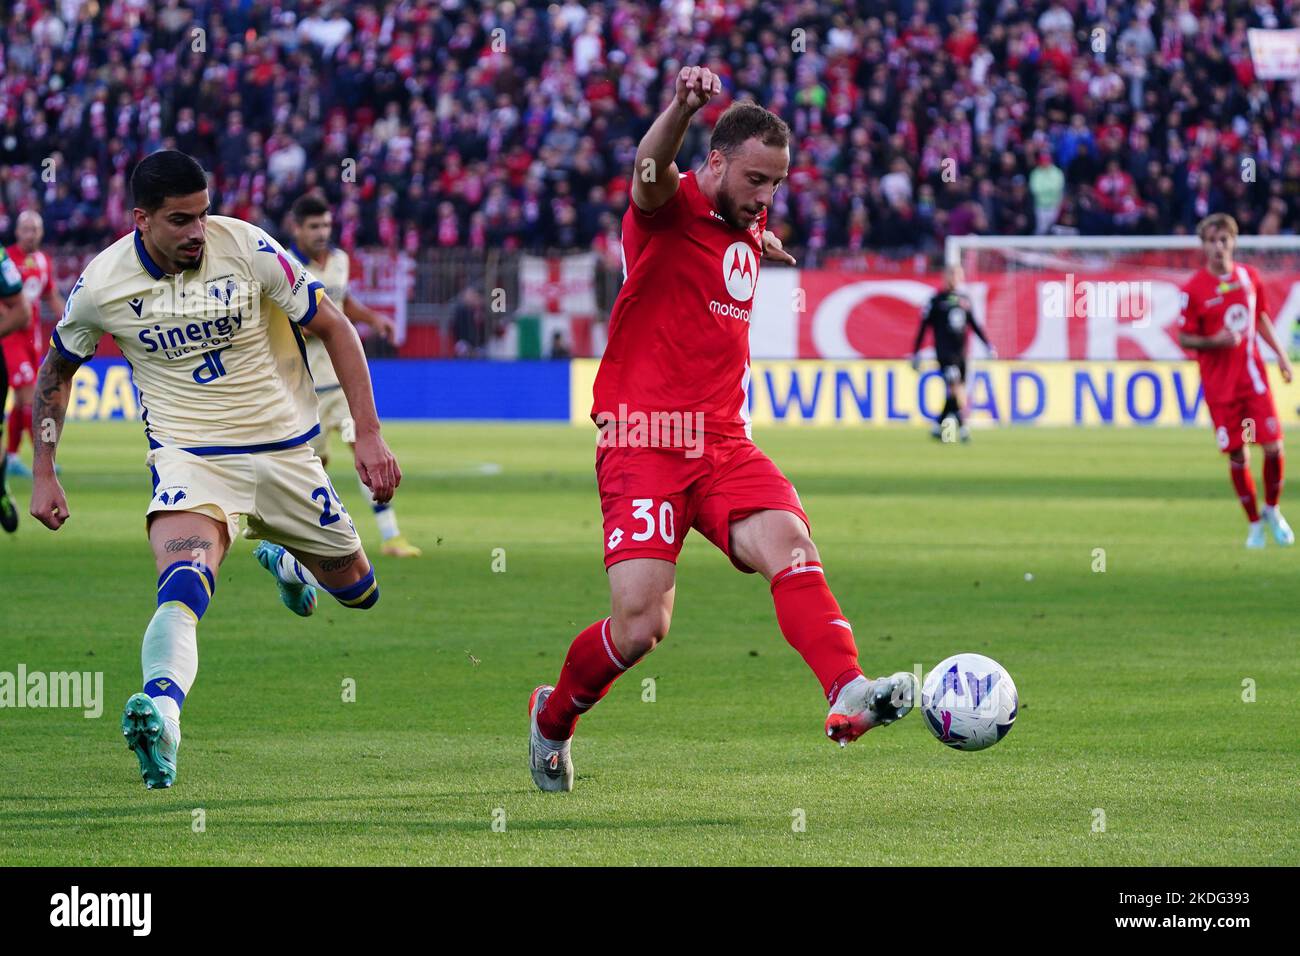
column 1107, row 297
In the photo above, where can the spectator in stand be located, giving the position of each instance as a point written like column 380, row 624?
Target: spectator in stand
column 423, row 130
column 1047, row 183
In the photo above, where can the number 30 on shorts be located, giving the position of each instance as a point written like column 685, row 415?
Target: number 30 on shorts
column 643, row 509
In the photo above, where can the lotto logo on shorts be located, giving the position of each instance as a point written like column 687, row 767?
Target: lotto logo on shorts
column 615, row 538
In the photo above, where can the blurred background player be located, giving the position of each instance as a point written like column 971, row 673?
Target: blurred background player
column 950, row 318
column 13, row 315
column 1224, row 305
column 312, row 225
column 679, row 351
column 23, row 349
column 207, row 310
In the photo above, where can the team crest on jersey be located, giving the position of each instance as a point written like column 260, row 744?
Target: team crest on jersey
column 224, row 290
column 1237, row 317
column 740, row 271
column 171, row 494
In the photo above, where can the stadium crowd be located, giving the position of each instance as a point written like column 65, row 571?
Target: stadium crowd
column 514, row 124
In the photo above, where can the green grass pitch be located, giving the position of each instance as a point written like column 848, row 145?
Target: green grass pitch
column 1131, row 680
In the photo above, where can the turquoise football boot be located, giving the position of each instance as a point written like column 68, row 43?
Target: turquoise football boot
column 8, row 513
column 299, row 598
column 146, row 734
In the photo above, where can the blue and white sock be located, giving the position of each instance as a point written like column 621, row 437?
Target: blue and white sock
column 290, row 571
column 169, row 653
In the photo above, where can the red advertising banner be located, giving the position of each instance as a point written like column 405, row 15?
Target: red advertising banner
column 1027, row 315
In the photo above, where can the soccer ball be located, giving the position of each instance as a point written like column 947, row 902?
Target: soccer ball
column 969, row 701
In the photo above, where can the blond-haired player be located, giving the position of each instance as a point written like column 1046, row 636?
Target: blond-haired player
column 1225, row 312
column 208, row 311
column 312, row 224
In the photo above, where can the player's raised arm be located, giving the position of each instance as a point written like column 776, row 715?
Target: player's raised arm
column 655, row 178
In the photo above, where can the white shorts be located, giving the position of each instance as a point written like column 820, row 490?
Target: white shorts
column 335, row 416
column 285, row 496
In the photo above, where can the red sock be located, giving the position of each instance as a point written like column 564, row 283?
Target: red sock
column 1272, row 479
column 813, row 623
column 1244, row 482
column 15, row 433
column 590, row 669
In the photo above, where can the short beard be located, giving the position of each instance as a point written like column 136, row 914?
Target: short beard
column 730, row 212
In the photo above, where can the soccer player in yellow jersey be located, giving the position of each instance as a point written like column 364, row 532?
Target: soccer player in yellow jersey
column 208, row 310
column 312, row 224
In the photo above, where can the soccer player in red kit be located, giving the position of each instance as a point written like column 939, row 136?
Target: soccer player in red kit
column 23, row 349
column 674, row 450
column 1224, row 306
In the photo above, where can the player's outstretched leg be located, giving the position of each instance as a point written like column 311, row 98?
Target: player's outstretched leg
column 297, row 584
column 1244, row 483
column 777, row 545
column 642, row 592
column 349, row 578
column 1272, row 514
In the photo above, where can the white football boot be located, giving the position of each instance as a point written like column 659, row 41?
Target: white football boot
column 1255, row 537
column 864, row 704
column 1282, row 532
column 548, row 760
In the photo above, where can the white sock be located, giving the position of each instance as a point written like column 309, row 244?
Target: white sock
column 288, row 570
column 385, row 516
column 170, row 651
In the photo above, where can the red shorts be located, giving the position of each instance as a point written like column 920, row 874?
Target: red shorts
column 1248, row 418
column 651, row 497
column 21, row 358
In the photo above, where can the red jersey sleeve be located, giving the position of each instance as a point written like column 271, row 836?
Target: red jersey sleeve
column 668, row 216
column 1189, row 320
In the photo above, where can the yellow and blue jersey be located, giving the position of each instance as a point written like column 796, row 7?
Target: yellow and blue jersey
column 216, row 351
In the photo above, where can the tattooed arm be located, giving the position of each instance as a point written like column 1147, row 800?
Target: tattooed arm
column 53, row 388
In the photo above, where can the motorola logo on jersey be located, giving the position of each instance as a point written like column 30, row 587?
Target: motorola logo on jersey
column 1236, row 317
column 740, row 271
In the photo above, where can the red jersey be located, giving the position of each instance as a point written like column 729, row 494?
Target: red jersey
column 38, row 278
column 679, row 329
column 1233, row 301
